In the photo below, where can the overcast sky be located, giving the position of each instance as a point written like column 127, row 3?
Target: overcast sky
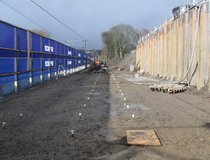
column 88, row 17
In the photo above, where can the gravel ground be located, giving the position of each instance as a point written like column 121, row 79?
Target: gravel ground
column 50, row 111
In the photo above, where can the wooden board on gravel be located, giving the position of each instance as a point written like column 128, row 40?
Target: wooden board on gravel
column 142, row 137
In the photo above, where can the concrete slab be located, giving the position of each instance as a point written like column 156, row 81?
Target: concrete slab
column 142, row 137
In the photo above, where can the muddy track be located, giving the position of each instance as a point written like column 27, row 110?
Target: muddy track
column 50, row 111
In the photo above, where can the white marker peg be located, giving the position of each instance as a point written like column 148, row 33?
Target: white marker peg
column 92, row 90
column 72, row 133
column 124, row 99
column 124, row 104
column 133, row 115
column 120, row 90
column 91, row 93
column 128, row 106
column 80, row 115
column 122, row 94
column 3, row 125
column 88, row 98
column 85, row 105
column 21, row 115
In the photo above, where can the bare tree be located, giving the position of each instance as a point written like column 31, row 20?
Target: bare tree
column 108, row 44
column 120, row 40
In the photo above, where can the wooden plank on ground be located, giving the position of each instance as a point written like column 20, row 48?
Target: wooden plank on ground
column 142, row 137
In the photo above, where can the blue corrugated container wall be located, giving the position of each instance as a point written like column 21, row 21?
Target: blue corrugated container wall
column 28, row 59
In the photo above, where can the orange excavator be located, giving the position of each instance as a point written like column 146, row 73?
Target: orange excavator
column 99, row 66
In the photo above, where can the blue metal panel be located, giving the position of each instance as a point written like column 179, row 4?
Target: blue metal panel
column 45, row 45
column 83, row 62
column 6, row 65
column 21, row 39
column 69, row 51
column 22, row 64
column 7, row 79
column 36, row 44
column 74, row 52
column 75, row 63
column 36, row 63
column 53, row 66
column 70, row 63
column 7, row 89
column 62, row 49
column 23, row 76
column 58, row 48
column 23, row 84
column 6, row 36
column 36, row 78
column 81, row 54
column 23, row 81
column 79, row 62
column 46, row 55
column 36, row 73
column 45, row 77
column 46, row 63
column 52, row 45
column 63, row 62
column 7, row 53
column 66, row 50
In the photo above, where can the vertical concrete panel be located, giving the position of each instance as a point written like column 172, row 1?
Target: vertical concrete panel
column 202, row 46
column 159, row 54
column 149, row 56
column 165, row 65
column 189, row 78
column 179, row 46
column 163, row 51
column 175, row 48
column 151, row 63
column 155, row 54
column 152, row 52
column 162, row 65
column 208, row 48
column 193, row 74
column 172, row 51
column 148, row 52
column 182, row 46
column 169, row 50
column 187, row 44
column 199, row 50
column 204, row 59
column 197, row 53
column 142, row 55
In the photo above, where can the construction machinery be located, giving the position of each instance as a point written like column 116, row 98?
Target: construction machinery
column 99, row 66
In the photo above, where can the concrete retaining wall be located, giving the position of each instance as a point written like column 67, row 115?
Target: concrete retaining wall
column 167, row 52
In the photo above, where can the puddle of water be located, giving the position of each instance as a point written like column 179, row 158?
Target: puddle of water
column 97, row 93
column 137, row 106
column 87, row 86
column 94, row 93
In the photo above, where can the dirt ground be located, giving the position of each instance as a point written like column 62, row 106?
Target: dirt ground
column 50, row 111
